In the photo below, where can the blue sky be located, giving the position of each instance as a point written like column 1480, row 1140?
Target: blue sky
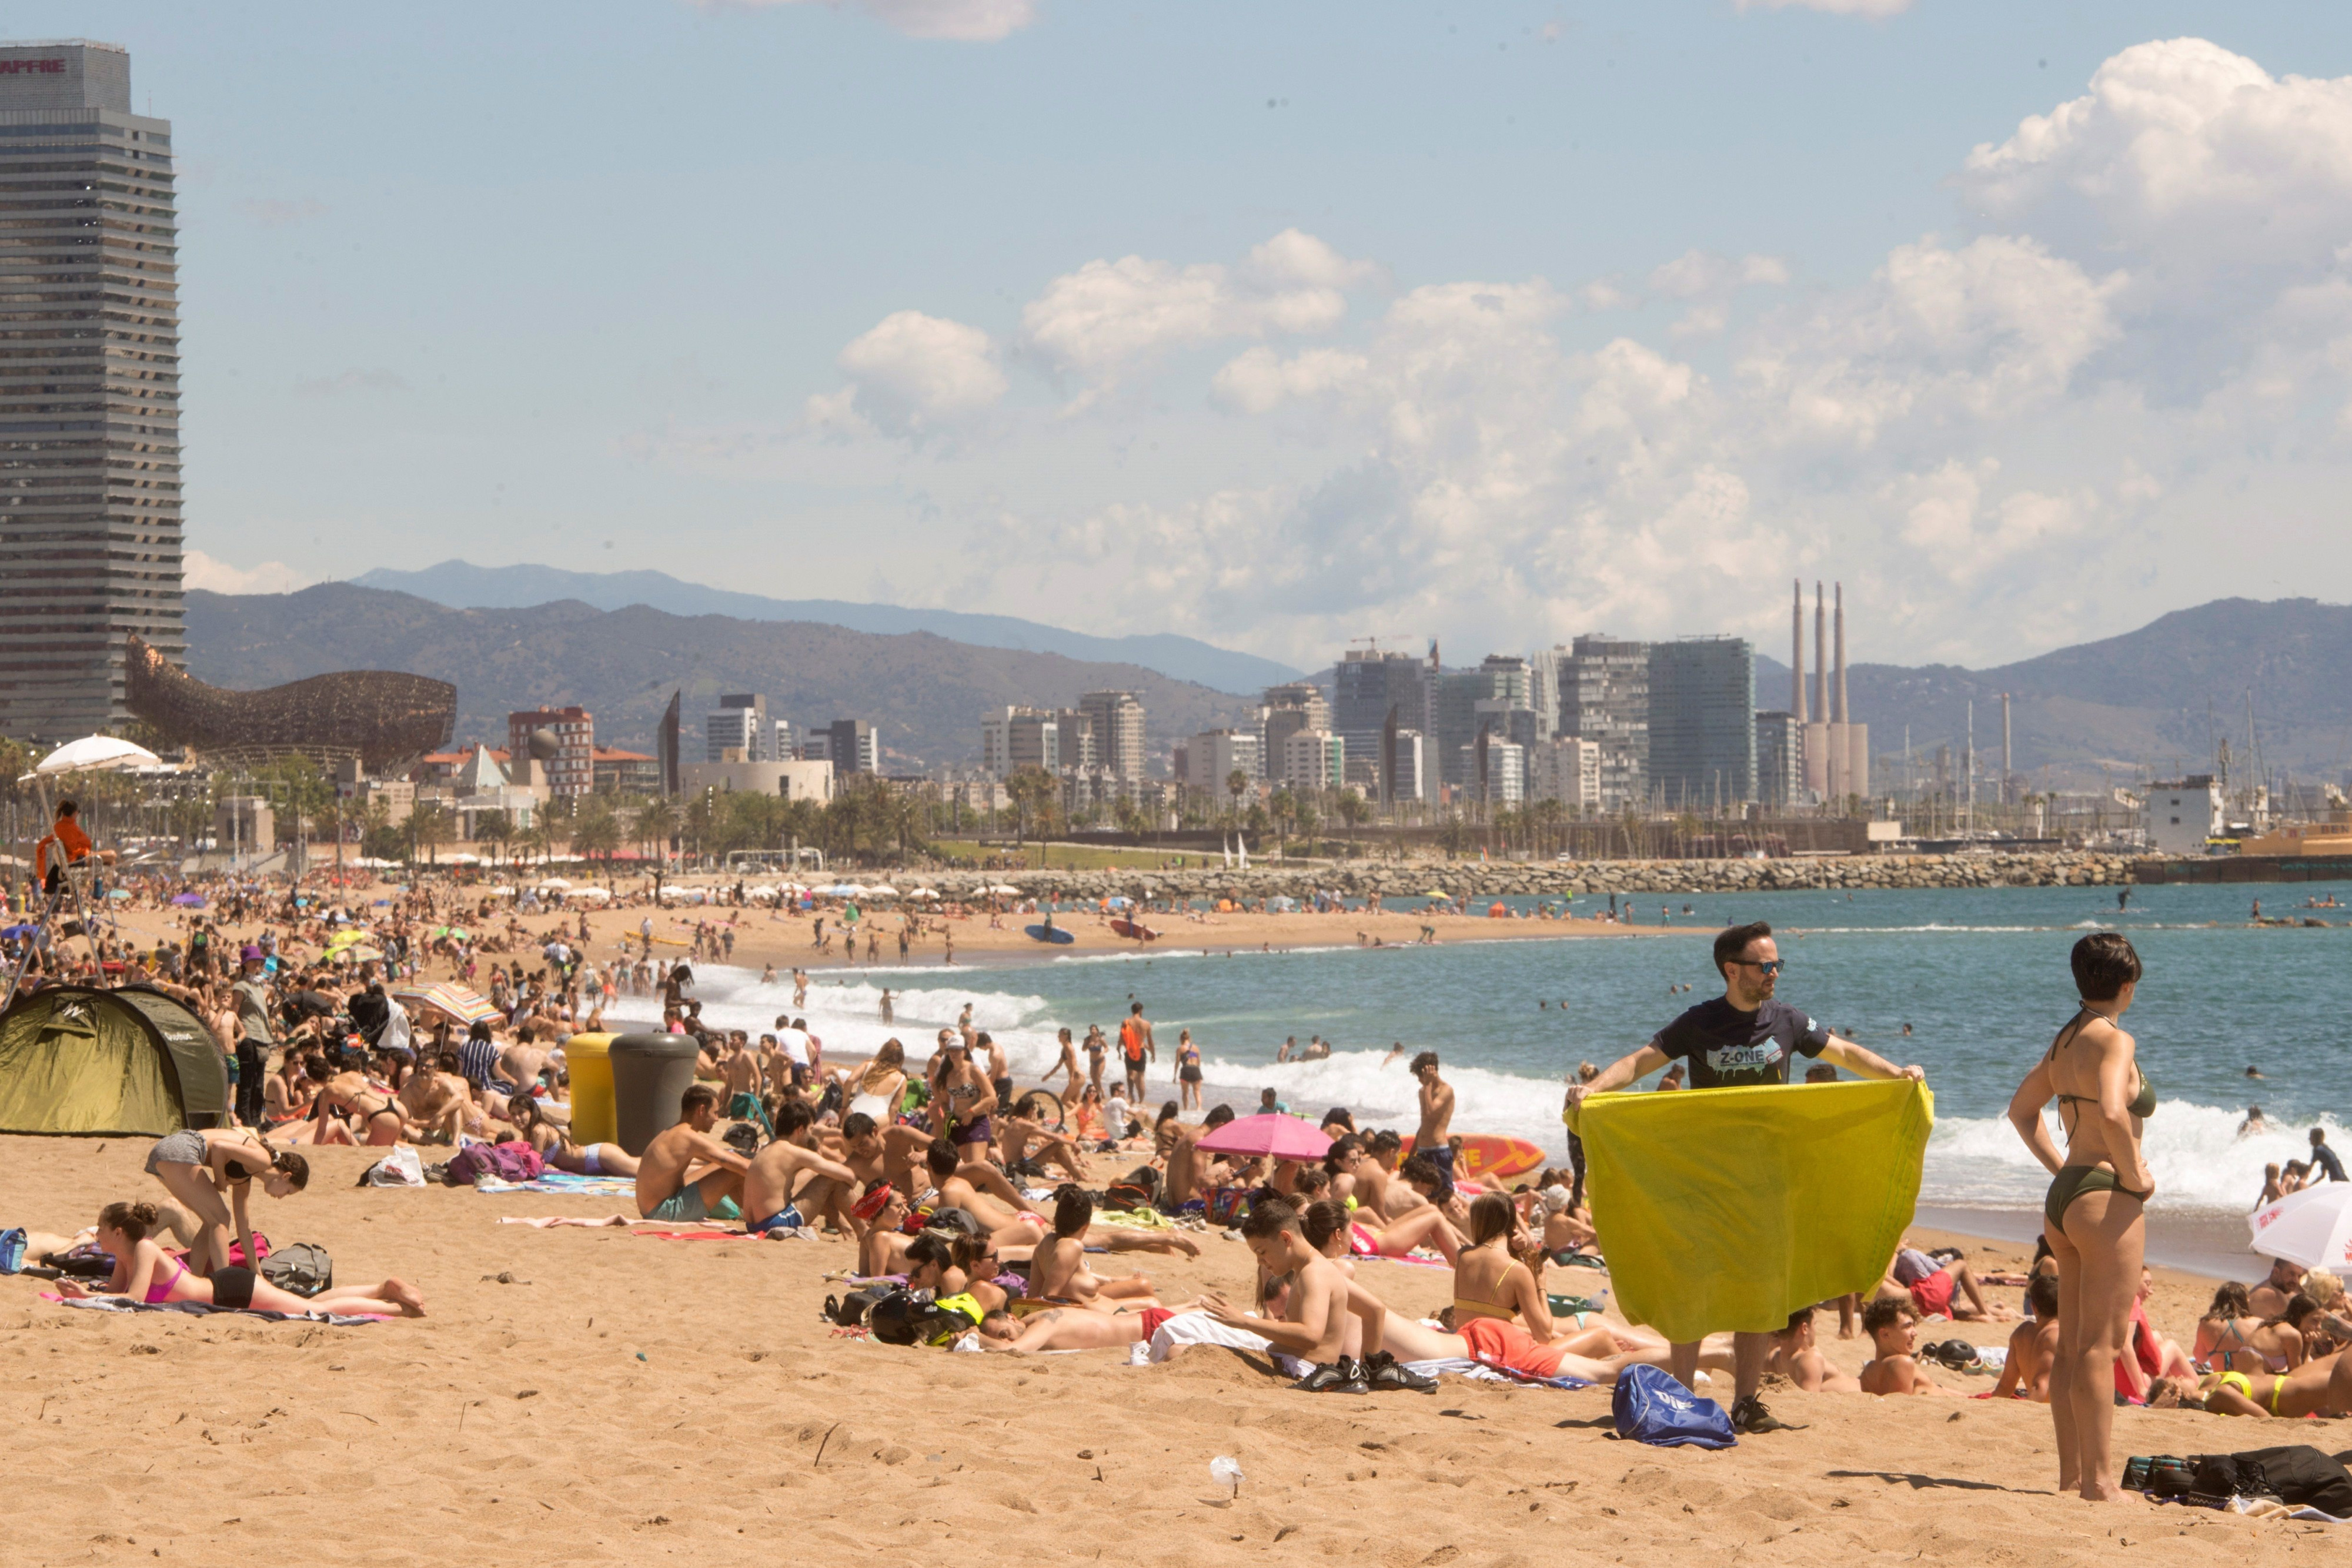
column 1278, row 326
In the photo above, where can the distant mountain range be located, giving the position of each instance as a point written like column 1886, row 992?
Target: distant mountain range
column 2155, row 700
column 463, row 585
column 923, row 693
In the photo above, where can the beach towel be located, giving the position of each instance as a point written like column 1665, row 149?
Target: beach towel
column 206, row 1310
column 1730, row 1209
column 565, row 1182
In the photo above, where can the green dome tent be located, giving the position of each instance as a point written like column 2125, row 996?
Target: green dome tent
column 74, row 1059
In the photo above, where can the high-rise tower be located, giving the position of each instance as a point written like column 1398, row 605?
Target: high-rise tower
column 89, row 399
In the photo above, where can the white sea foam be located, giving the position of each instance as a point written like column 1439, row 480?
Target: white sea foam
column 2193, row 1151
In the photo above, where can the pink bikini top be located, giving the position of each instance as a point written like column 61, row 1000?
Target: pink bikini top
column 161, row 1291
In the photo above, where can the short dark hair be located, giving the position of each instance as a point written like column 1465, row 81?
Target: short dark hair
column 1271, row 1217
column 699, row 1095
column 857, row 1124
column 1882, row 1310
column 2104, row 963
column 67, row 808
column 941, row 1158
column 1385, row 1141
column 1426, row 1059
column 1218, row 1116
column 1797, row 1320
column 1422, row 1167
column 792, row 1116
column 1073, row 1211
column 1733, row 940
column 1136, row 1009
column 2042, row 1295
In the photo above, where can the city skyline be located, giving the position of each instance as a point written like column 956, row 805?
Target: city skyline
column 1206, row 372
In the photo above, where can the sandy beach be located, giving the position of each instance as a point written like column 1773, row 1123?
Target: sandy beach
column 595, row 1396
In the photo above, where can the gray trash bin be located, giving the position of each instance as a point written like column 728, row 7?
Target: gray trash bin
column 650, row 1073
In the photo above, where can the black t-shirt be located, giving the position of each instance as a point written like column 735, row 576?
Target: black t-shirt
column 1729, row 1049
column 2324, row 1159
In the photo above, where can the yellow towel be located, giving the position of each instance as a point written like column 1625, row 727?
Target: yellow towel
column 1730, row 1209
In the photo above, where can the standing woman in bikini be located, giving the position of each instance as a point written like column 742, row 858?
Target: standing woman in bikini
column 2094, row 1216
column 212, row 1171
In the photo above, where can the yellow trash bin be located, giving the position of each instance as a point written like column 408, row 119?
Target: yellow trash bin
column 594, row 1120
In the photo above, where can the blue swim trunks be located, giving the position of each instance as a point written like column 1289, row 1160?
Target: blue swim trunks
column 785, row 1218
column 686, row 1203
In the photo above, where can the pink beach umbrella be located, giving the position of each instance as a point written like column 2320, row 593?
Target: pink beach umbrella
column 1283, row 1137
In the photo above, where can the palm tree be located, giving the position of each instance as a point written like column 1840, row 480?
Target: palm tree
column 1351, row 809
column 429, row 824
column 494, row 828
column 1235, row 782
column 596, row 833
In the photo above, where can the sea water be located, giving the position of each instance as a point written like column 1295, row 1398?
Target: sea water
column 1979, row 977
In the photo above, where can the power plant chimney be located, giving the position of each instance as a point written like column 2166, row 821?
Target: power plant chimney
column 1821, row 654
column 1797, row 656
column 1841, row 653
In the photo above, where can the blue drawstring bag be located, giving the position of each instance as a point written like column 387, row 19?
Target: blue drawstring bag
column 1652, row 1407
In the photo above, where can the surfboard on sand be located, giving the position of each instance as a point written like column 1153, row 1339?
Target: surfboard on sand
column 1484, row 1157
column 1134, row 930
column 1049, row 934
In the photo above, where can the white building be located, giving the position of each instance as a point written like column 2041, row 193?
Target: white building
column 1214, row 755
column 2179, row 817
column 1011, row 738
column 740, row 724
column 1565, row 770
column 1313, row 760
column 1506, row 769
column 791, row 780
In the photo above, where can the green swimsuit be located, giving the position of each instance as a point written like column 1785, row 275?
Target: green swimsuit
column 2073, row 1181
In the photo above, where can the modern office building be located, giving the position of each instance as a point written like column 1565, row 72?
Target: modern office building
column 572, row 769
column 1567, row 770
column 1292, row 709
column 1780, row 760
column 1494, row 771
column 1604, row 697
column 1702, row 724
column 89, row 390
column 1370, row 690
column 1012, row 738
column 740, row 724
column 1116, row 718
column 852, row 746
column 618, row 772
column 1313, row 759
column 1214, row 757
column 1079, row 753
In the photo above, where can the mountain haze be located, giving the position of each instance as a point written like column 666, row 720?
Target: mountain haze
column 924, row 693
column 463, row 585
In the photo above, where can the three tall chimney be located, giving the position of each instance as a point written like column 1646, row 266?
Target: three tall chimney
column 1841, row 715
column 1796, row 656
column 1821, row 654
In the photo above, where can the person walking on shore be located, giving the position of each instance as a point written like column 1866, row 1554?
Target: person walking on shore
column 2094, row 1217
column 1135, row 1042
column 1746, row 1036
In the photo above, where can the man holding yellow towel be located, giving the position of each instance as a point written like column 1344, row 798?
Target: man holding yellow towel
column 1745, row 1038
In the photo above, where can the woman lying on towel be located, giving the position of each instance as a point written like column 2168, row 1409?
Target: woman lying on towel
column 555, row 1146
column 145, row 1272
column 2321, row 1387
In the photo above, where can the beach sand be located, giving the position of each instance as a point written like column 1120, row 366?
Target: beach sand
column 593, row 1395
column 763, row 937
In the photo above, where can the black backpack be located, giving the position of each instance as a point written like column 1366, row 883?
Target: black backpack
column 303, row 1269
column 850, row 1310
column 2298, row 1475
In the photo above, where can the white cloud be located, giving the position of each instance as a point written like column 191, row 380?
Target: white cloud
column 1109, row 317
column 2182, row 148
column 1871, row 8
column 911, row 373
column 965, row 21
column 1699, row 273
column 201, row 570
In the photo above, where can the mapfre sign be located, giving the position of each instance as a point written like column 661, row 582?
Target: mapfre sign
column 32, row 68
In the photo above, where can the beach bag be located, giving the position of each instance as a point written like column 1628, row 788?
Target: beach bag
column 513, row 1160
column 2299, row 1475
column 399, row 1168
column 303, row 1269
column 1652, row 1407
column 12, row 1250
column 82, row 1262
column 1140, row 1190
column 849, row 1310
column 236, row 1257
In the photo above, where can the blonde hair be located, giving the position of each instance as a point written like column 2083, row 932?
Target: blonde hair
column 2324, row 1288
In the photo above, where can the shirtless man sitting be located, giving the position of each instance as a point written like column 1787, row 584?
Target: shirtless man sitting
column 1794, row 1357
column 2032, row 1345
column 685, row 1170
column 824, row 1187
column 1889, row 1323
column 1184, row 1168
column 440, row 1102
column 1321, row 1302
column 1019, row 1138
column 981, row 1189
column 879, row 1154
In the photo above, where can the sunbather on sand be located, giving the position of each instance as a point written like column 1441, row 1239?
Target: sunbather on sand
column 1072, row 1328
column 1058, row 1271
column 2319, row 1387
column 685, row 1172
column 553, row 1142
column 144, row 1273
column 1794, row 1357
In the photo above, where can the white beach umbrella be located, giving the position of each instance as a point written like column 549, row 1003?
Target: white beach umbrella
column 93, row 752
column 555, row 882
column 924, row 892
column 879, row 892
column 1001, row 888
column 2313, row 1228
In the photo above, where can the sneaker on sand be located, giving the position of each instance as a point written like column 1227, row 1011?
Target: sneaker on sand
column 1750, row 1416
column 1384, row 1371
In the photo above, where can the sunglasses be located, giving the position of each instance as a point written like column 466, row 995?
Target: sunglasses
column 1763, row 966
